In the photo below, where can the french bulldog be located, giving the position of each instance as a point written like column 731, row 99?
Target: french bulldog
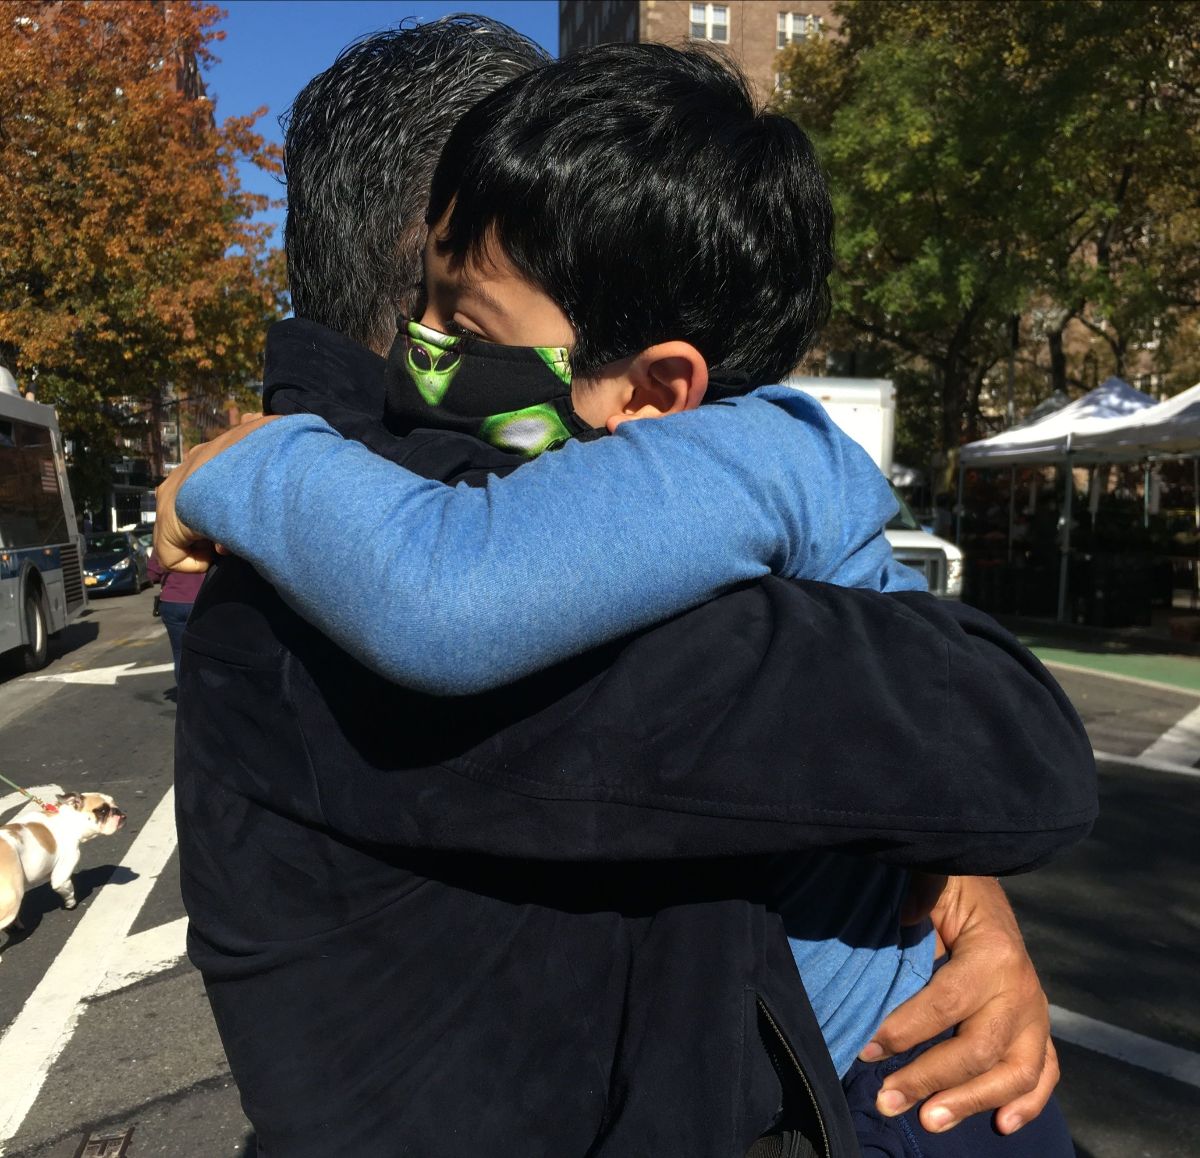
column 37, row 846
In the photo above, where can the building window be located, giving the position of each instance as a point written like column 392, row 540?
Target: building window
column 791, row 27
column 710, row 22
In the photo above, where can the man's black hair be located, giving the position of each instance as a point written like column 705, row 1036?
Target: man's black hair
column 362, row 140
column 642, row 190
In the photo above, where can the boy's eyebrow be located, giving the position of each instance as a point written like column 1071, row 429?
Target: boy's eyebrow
column 472, row 286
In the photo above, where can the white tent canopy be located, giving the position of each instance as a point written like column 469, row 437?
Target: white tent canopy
column 1171, row 427
column 1113, row 423
column 1050, row 439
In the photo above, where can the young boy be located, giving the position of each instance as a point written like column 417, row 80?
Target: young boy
column 619, row 236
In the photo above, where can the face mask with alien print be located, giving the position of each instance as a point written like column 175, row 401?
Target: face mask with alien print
column 517, row 398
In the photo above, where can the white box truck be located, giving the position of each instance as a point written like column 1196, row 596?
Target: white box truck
column 865, row 409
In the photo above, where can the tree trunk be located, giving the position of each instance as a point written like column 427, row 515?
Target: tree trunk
column 1058, row 362
column 954, row 397
column 972, row 416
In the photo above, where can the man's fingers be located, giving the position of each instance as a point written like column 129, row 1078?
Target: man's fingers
column 999, row 1057
column 250, row 418
column 1012, row 1116
column 994, row 1080
column 981, row 1095
column 942, row 1004
column 950, row 1065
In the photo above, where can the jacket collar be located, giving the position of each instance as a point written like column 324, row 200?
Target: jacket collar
column 310, row 368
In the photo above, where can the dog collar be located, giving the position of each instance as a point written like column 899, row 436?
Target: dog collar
column 51, row 809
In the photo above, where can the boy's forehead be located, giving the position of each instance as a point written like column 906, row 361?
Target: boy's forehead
column 488, row 289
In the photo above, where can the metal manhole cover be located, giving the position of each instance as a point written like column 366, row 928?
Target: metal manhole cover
column 105, row 1145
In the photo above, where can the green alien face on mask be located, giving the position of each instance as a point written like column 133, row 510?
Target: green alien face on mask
column 432, row 361
column 517, row 398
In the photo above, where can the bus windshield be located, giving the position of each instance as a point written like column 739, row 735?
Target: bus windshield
column 41, row 578
column 31, row 508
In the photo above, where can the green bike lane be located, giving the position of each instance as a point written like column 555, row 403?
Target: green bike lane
column 1127, row 655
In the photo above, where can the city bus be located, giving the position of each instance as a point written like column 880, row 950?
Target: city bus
column 41, row 582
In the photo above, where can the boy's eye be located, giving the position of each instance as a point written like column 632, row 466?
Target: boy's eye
column 457, row 330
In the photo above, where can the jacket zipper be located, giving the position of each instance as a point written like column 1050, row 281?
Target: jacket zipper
column 797, row 1069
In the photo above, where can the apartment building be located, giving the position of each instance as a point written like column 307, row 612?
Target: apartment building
column 752, row 31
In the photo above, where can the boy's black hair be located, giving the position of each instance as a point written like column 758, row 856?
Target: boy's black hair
column 639, row 187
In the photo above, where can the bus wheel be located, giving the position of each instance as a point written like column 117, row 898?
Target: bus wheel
column 33, row 654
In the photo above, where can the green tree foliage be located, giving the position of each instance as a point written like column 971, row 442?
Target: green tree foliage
column 130, row 263
column 1001, row 158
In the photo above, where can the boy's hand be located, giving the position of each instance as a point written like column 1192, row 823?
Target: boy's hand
column 1002, row 1057
column 176, row 546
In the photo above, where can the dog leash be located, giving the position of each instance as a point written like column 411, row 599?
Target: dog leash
column 48, row 808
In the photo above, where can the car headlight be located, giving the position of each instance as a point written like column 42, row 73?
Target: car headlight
column 954, row 576
column 123, row 565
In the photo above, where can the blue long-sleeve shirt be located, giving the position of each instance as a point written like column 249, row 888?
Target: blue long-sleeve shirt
column 453, row 590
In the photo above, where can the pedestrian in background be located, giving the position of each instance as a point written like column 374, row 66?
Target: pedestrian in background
column 174, row 603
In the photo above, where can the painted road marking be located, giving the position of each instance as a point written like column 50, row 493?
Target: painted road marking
column 1179, row 744
column 1182, row 1065
column 1114, row 675
column 1152, row 764
column 102, row 675
column 145, row 954
column 40, row 1032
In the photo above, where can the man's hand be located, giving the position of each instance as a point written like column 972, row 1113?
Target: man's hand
column 176, row 546
column 1002, row 1057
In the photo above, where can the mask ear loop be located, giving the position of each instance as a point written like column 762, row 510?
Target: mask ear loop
column 591, row 434
column 722, row 386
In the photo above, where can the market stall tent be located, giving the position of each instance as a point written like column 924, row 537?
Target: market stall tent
column 1056, row 439
column 1169, row 428
column 1056, row 436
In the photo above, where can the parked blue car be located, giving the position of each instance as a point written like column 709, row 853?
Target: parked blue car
column 114, row 562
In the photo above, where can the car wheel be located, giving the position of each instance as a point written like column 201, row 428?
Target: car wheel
column 32, row 655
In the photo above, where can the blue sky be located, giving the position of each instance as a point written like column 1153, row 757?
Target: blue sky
column 272, row 47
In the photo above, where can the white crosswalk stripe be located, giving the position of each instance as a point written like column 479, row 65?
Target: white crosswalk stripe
column 1179, row 744
column 1136, row 1049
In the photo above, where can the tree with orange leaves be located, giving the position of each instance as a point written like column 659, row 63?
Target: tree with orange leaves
column 131, row 269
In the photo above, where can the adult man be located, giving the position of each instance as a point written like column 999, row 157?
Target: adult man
column 347, row 907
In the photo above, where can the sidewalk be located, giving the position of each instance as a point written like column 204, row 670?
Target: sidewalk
column 1155, row 653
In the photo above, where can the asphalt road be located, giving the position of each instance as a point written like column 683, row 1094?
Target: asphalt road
column 105, row 1027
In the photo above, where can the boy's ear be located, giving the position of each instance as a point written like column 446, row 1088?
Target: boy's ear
column 663, row 379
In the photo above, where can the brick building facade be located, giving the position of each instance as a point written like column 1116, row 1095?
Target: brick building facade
column 752, row 31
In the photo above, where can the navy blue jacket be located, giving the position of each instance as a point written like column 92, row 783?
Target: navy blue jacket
column 537, row 921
